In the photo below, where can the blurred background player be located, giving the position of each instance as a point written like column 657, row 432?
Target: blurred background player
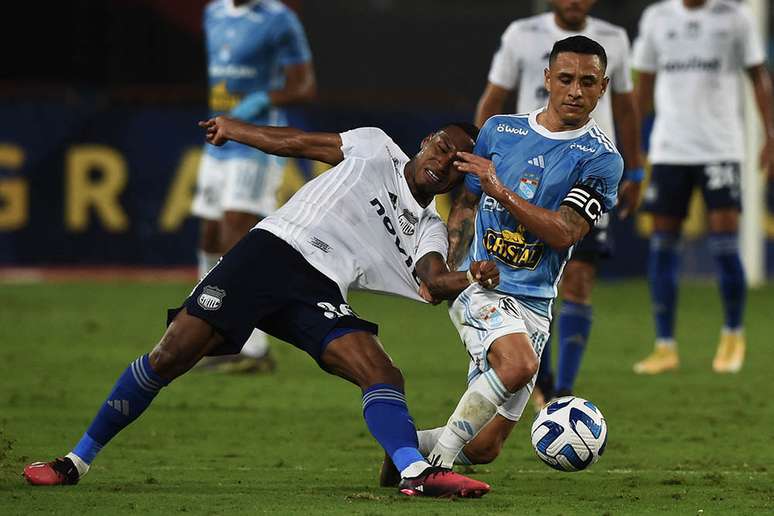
column 258, row 61
column 691, row 52
column 518, row 67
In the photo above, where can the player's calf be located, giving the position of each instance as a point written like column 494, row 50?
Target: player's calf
column 184, row 342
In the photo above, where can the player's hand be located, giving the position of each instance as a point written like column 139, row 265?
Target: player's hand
column 485, row 273
column 767, row 158
column 217, row 130
column 628, row 198
column 425, row 294
column 482, row 168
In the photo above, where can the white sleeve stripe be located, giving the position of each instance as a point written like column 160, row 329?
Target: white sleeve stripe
column 602, row 134
column 601, row 138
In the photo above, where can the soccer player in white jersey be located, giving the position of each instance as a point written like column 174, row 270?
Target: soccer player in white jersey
column 258, row 62
column 518, row 67
column 369, row 223
column 536, row 185
column 693, row 53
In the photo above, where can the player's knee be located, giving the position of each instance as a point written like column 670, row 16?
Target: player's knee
column 186, row 340
column 516, row 370
column 384, row 373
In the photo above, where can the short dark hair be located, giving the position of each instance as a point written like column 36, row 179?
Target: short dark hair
column 579, row 45
column 470, row 129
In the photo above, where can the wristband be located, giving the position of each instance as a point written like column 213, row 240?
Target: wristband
column 635, row 175
column 470, row 277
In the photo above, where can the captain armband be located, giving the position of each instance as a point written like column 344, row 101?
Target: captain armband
column 586, row 201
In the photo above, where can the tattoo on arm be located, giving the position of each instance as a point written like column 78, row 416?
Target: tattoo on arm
column 460, row 238
column 574, row 222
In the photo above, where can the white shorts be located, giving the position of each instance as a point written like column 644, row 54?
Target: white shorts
column 481, row 316
column 245, row 185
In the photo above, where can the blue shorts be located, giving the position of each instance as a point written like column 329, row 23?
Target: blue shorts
column 671, row 187
column 262, row 282
column 597, row 244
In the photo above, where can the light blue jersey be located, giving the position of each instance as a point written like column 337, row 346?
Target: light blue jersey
column 579, row 168
column 248, row 48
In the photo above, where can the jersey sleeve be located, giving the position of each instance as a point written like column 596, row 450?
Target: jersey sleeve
column 645, row 56
column 433, row 238
column 362, row 142
column 621, row 74
column 596, row 191
column 292, row 45
column 749, row 46
column 481, row 148
column 504, row 71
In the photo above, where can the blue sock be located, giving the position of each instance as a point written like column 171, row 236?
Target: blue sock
column 574, row 330
column 663, row 267
column 131, row 395
column 388, row 419
column 733, row 291
column 545, row 360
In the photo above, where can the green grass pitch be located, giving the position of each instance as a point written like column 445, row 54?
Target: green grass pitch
column 691, row 442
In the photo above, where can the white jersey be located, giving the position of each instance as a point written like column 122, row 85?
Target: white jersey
column 358, row 223
column 697, row 55
column 523, row 55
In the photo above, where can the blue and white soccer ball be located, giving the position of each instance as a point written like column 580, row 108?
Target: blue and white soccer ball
column 569, row 434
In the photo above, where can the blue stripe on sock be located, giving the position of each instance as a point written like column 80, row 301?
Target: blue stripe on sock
column 388, row 419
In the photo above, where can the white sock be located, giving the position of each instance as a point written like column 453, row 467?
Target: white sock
column 736, row 332
column 476, row 408
column 257, row 345
column 206, row 262
column 414, row 469
column 428, row 440
column 80, row 465
column 669, row 343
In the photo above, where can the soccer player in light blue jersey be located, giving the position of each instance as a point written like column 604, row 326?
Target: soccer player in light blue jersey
column 258, row 61
column 537, row 183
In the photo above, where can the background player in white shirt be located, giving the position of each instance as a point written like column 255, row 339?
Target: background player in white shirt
column 518, row 67
column 691, row 52
column 258, row 62
column 369, row 223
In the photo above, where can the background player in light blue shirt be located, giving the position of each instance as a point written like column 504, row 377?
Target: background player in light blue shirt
column 258, row 60
column 537, row 183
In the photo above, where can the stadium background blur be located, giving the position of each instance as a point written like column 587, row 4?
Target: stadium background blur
column 99, row 151
column 98, row 156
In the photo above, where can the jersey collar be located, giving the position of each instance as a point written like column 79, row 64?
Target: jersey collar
column 558, row 135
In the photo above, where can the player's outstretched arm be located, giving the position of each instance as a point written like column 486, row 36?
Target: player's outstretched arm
column 281, row 141
column 559, row 229
column 462, row 219
column 438, row 283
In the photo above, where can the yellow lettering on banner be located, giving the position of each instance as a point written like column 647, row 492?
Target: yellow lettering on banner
column 14, row 192
column 177, row 205
column 101, row 193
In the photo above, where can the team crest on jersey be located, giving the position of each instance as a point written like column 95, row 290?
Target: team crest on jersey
column 491, row 316
column 512, row 248
column 408, row 222
column 211, row 298
column 530, row 178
